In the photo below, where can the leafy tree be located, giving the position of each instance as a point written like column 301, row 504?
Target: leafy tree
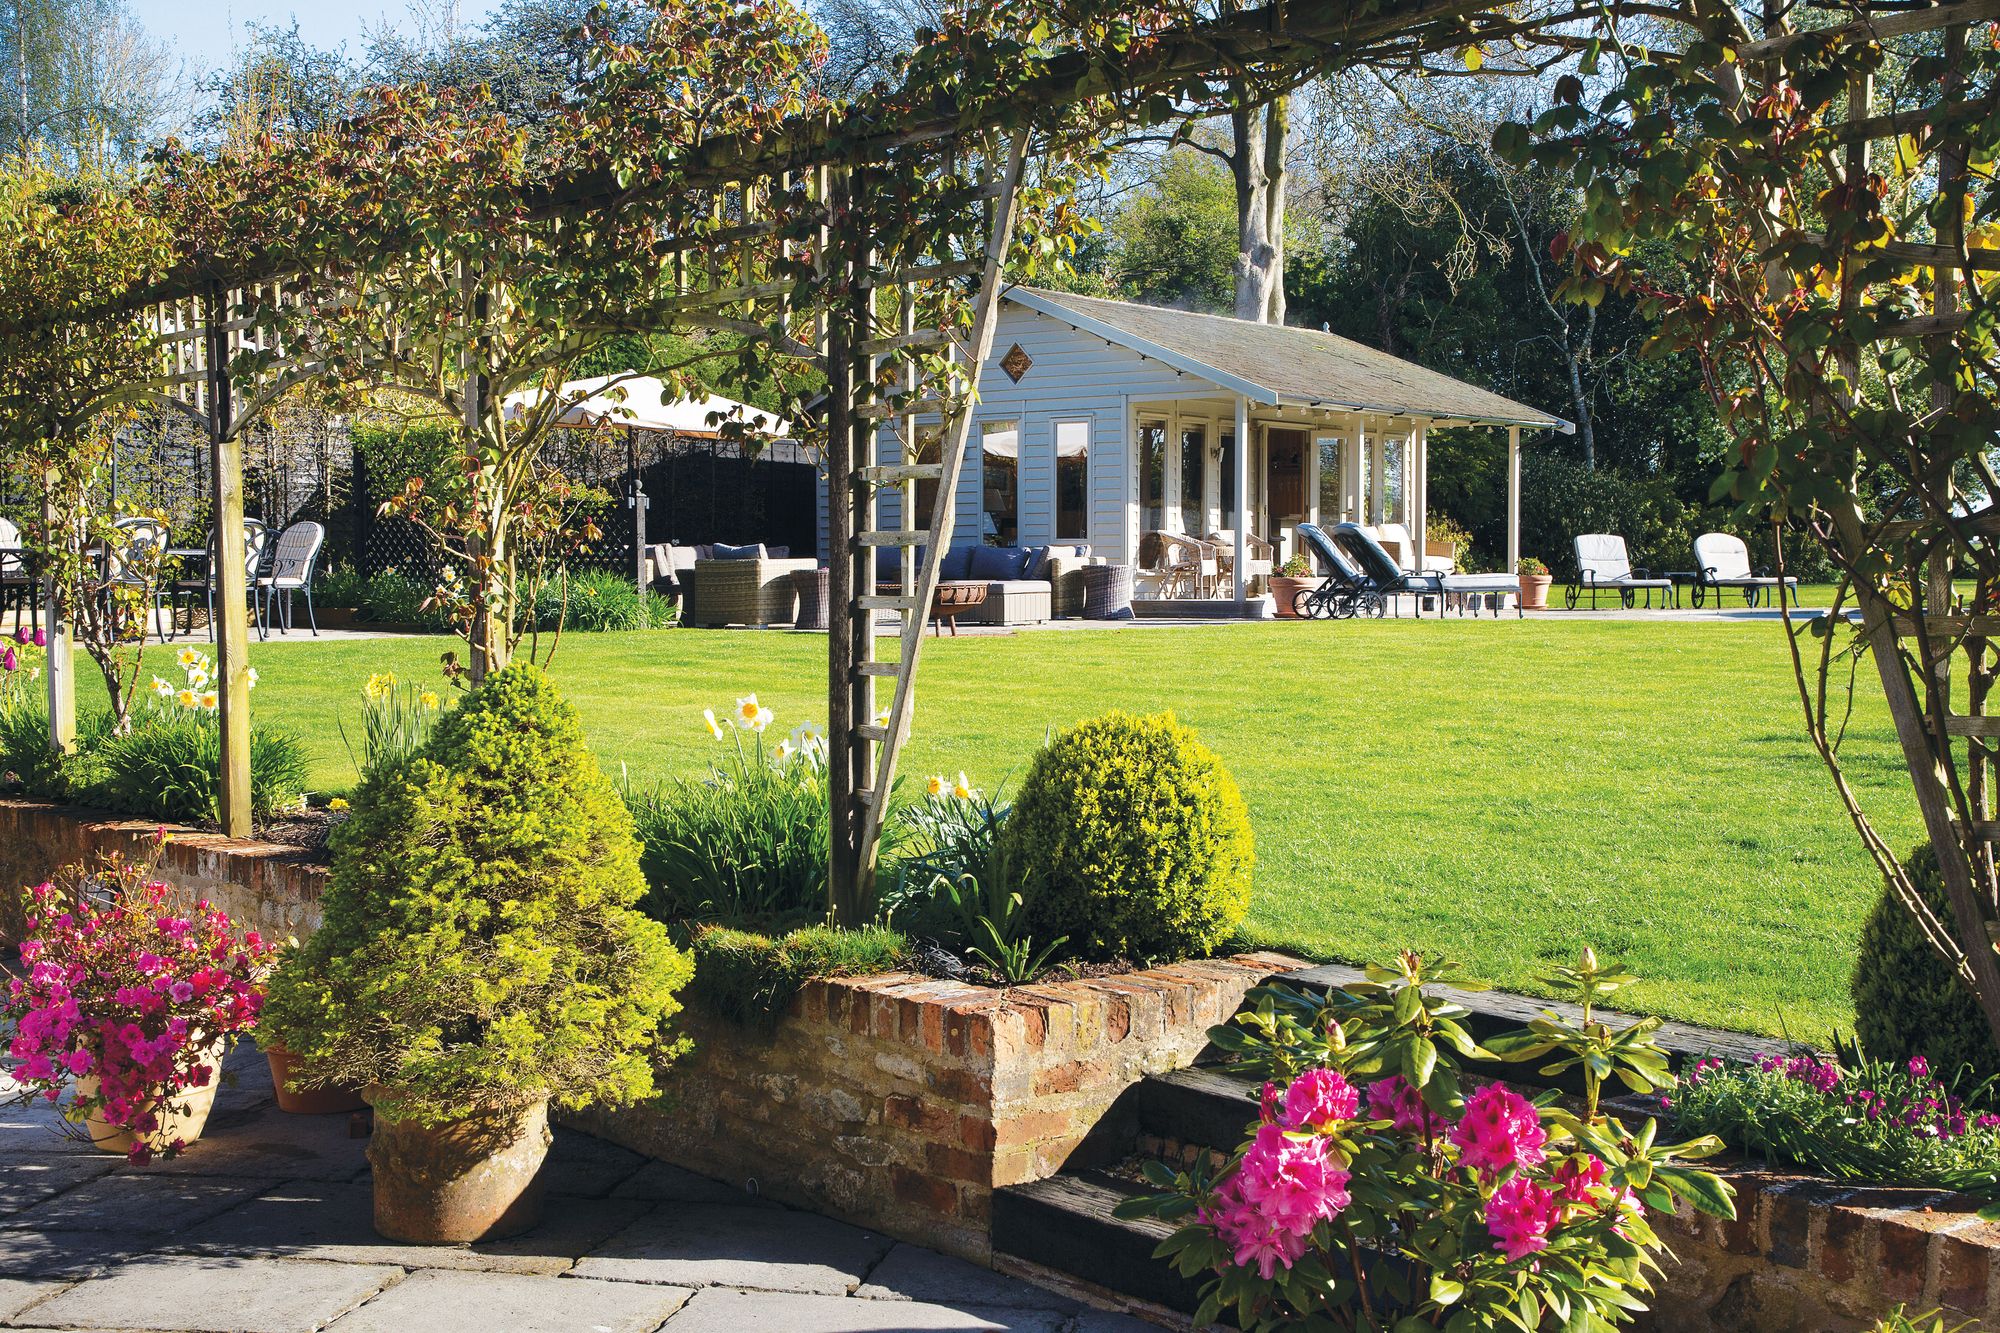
column 84, row 83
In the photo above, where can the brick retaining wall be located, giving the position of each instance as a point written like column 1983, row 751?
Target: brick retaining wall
column 267, row 886
column 902, row 1102
column 1806, row 1255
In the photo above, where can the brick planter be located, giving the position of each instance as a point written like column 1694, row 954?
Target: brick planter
column 267, row 886
column 1806, row 1255
column 901, row 1102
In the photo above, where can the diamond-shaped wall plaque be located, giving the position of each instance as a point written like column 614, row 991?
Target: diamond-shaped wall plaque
column 1016, row 363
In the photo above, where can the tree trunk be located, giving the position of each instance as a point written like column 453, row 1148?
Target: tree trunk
column 1256, row 165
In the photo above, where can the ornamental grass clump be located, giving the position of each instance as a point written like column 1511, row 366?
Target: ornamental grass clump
column 481, row 947
column 1375, row 1194
column 129, row 994
column 1131, row 840
column 1879, row 1122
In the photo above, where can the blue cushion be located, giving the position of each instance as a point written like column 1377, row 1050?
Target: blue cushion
column 997, row 564
column 957, row 564
column 723, row 552
column 889, row 563
column 1032, row 561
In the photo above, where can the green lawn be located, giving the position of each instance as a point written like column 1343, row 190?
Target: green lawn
column 1501, row 791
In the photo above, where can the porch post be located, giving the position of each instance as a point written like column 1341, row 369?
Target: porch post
column 1240, row 520
column 60, row 664
column 1417, row 498
column 1357, row 440
column 1513, row 498
column 1376, row 472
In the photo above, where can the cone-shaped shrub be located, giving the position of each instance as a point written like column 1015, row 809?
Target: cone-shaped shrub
column 1131, row 839
column 480, row 946
column 1906, row 1000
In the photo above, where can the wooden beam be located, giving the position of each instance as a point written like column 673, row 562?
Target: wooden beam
column 232, row 602
column 61, row 663
column 1897, row 24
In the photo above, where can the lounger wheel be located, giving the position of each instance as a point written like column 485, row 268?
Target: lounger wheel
column 1569, row 597
column 1627, row 598
column 1309, row 605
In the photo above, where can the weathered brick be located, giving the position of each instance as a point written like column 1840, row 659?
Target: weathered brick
column 1962, row 1267
column 1065, row 1077
column 959, row 1164
column 920, row 1189
column 975, row 1133
column 1843, row 1245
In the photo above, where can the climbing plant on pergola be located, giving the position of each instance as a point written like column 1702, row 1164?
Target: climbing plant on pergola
column 700, row 180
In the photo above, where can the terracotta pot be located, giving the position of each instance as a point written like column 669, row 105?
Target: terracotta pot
column 1535, row 592
column 469, row 1180
column 307, row 1101
column 1285, row 590
column 182, row 1117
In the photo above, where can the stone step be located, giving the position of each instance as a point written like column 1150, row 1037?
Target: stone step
column 1064, row 1223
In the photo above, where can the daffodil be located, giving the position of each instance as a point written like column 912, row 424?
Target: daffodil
column 379, row 685
column 785, row 750
column 962, row 789
column 747, row 709
column 429, row 700
column 162, row 689
column 188, row 657
column 882, row 718
column 714, row 727
column 209, row 701
column 187, row 699
column 337, row 803
column 250, row 675
column 935, row 784
column 761, row 720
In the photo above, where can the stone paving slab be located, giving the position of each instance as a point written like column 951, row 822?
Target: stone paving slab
column 17, row 1295
column 912, row 1273
column 585, row 1165
column 52, row 1254
column 26, row 1180
column 131, row 1201
column 262, row 1141
column 510, row 1303
column 785, row 1312
column 335, row 1223
column 217, row 1296
column 714, row 1245
column 665, row 1181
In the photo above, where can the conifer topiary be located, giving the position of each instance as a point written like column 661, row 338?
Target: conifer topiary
column 1129, row 837
column 1907, row 1002
column 480, row 945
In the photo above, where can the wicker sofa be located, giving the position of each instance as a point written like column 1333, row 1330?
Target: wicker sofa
column 1024, row 585
column 745, row 591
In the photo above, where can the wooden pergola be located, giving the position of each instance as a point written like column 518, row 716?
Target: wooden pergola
column 872, row 350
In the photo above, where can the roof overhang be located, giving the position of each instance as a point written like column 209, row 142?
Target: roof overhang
column 1256, row 393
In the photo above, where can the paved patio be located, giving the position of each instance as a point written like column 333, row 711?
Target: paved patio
column 264, row 1228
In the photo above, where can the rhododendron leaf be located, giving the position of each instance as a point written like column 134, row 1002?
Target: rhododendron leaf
column 1445, row 1290
column 1704, row 1189
column 1420, row 1058
column 1157, row 1173
column 1409, row 1001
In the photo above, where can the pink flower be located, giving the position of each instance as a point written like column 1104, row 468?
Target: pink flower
column 1575, row 1177
column 1500, row 1129
column 41, row 639
column 1395, row 1100
column 1253, row 1240
column 1320, row 1098
column 1919, row 1067
column 1293, row 1183
column 1519, row 1216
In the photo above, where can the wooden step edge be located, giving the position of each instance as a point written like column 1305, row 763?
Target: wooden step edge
column 1064, row 1223
column 1982, row 728
column 882, row 602
column 878, row 668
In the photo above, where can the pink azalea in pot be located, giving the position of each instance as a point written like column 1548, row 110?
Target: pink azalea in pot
column 128, row 997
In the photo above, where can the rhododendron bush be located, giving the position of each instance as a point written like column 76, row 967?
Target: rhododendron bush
column 1378, row 1190
column 130, row 994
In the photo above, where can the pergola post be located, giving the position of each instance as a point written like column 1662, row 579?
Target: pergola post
column 232, row 578
column 1513, row 499
column 1376, row 473
column 1239, row 463
column 60, row 666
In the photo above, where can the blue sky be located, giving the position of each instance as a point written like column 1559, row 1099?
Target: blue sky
column 203, row 32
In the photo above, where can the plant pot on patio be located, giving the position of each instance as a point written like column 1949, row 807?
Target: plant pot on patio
column 1535, row 580
column 180, row 1117
column 1292, row 578
column 471, row 1179
column 285, row 1067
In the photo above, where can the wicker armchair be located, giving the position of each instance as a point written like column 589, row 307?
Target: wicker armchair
column 741, row 592
column 1190, row 565
column 1259, row 564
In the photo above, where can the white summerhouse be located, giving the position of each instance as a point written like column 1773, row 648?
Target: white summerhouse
column 1100, row 421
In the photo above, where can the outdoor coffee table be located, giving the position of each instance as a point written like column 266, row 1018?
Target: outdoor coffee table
column 952, row 599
